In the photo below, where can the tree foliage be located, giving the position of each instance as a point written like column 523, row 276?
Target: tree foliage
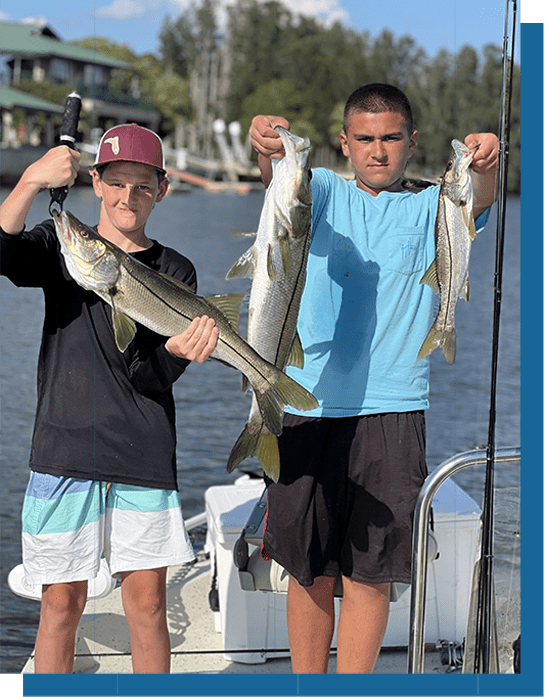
column 265, row 57
column 277, row 61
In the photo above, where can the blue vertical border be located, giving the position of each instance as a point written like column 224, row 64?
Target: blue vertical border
column 532, row 359
column 530, row 681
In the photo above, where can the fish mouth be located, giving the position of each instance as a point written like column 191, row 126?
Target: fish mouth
column 463, row 152
column 296, row 144
column 62, row 221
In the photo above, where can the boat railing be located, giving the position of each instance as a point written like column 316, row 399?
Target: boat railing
column 420, row 548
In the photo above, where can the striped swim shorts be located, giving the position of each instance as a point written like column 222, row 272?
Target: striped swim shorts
column 69, row 524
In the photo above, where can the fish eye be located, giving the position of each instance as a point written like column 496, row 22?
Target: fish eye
column 84, row 233
column 450, row 164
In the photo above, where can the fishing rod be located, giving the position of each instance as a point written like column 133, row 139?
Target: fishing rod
column 484, row 659
column 69, row 129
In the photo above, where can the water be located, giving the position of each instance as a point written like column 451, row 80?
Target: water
column 210, row 406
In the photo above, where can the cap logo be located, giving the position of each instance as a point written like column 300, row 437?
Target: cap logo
column 114, row 142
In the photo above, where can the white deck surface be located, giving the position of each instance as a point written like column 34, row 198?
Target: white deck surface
column 103, row 641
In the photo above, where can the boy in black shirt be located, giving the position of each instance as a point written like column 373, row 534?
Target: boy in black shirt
column 103, row 470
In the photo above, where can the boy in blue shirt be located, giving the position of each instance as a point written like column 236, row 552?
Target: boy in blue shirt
column 352, row 469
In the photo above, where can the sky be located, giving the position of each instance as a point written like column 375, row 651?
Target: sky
column 448, row 24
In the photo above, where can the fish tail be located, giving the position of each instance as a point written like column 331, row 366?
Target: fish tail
column 449, row 345
column 283, row 392
column 261, row 444
column 437, row 337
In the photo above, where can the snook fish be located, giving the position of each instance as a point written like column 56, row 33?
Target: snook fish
column 167, row 306
column 454, row 233
column 276, row 263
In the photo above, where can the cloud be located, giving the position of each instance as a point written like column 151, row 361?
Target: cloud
column 326, row 11
column 123, row 9
column 38, row 21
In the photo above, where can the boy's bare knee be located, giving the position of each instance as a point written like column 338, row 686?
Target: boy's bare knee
column 144, row 597
column 63, row 603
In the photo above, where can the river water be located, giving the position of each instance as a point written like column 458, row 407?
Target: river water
column 209, row 228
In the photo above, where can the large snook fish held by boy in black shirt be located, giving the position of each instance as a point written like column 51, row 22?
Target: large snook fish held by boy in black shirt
column 167, row 306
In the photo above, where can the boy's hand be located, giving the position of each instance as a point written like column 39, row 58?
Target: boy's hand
column 484, row 170
column 485, row 160
column 197, row 342
column 58, row 167
column 265, row 139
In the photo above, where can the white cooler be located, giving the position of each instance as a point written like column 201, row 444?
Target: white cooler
column 256, row 620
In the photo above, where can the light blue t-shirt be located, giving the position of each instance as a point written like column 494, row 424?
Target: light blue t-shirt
column 364, row 313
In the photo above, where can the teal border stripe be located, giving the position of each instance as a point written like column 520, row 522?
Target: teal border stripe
column 532, row 358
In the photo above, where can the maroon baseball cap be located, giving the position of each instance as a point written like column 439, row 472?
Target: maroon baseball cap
column 131, row 143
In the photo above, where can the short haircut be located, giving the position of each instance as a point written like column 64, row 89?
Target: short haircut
column 375, row 99
column 101, row 168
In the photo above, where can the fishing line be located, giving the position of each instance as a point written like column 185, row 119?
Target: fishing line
column 484, row 628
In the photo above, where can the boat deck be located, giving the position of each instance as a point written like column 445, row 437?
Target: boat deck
column 204, row 642
column 103, row 640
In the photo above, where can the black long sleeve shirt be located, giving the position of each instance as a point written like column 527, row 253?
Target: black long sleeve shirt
column 101, row 414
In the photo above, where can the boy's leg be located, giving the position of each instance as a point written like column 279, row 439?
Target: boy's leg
column 362, row 625
column 311, row 623
column 144, row 602
column 62, row 607
column 61, row 541
column 145, row 528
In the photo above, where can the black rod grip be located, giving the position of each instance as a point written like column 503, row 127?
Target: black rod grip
column 70, row 119
column 69, row 129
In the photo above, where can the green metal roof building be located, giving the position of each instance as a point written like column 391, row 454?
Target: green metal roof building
column 35, row 52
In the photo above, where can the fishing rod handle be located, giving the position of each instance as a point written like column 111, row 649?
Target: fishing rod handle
column 70, row 119
column 69, row 129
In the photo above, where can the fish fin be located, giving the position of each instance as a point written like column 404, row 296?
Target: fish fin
column 430, row 277
column 245, row 266
column 294, row 394
column 449, row 345
column 296, row 356
column 261, row 444
column 464, row 292
column 270, row 265
column 446, row 340
column 229, row 305
column 285, row 254
column 431, row 342
column 124, row 329
column 471, row 228
column 245, row 446
column 285, row 391
column 268, row 454
column 176, row 282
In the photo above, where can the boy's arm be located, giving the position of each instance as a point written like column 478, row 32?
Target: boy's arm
column 267, row 143
column 484, row 170
column 58, row 167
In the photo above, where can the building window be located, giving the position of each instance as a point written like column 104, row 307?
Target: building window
column 94, row 75
column 60, row 70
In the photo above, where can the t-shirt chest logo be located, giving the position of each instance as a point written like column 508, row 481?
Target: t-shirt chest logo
column 408, row 249
column 114, row 142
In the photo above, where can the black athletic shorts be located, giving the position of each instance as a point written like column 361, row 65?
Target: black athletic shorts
column 345, row 498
